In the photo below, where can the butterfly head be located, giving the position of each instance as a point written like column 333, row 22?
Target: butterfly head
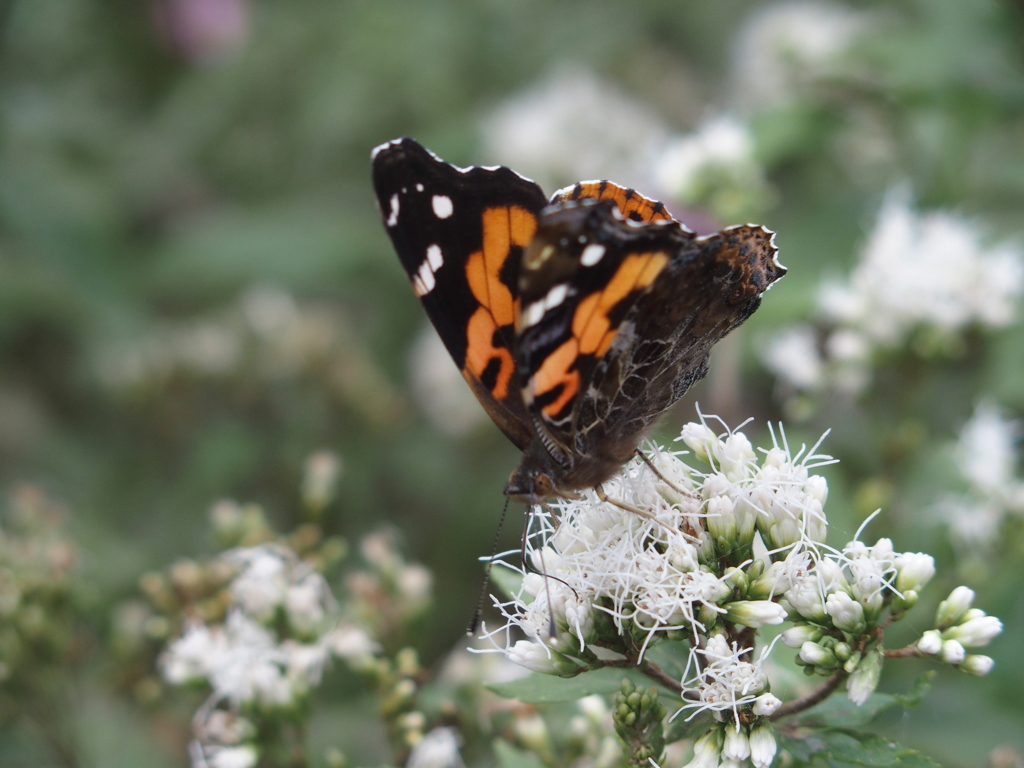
column 533, row 481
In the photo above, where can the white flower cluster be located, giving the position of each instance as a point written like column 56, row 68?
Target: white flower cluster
column 660, row 574
column 714, row 166
column 986, row 457
column 280, row 631
column 921, row 278
column 572, row 125
column 958, row 627
column 782, row 48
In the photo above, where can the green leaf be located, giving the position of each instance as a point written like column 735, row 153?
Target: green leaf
column 547, row 689
column 840, row 712
column 680, row 729
column 671, row 656
column 845, row 747
column 511, row 757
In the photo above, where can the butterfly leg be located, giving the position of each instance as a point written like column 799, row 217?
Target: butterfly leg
column 665, row 480
column 628, row 507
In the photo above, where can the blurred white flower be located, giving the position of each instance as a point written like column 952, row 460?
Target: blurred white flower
column 714, row 166
column 931, row 270
column 437, row 749
column 784, row 47
column 923, row 279
column 320, row 477
column 245, row 756
column 792, row 354
column 986, row 457
column 439, row 389
column 572, row 126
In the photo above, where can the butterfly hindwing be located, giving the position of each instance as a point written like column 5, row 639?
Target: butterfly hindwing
column 631, row 204
column 460, row 234
column 617, row 321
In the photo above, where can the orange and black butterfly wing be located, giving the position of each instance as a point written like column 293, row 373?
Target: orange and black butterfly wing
column 460, row 235
column 618, row 319
column 631, row 204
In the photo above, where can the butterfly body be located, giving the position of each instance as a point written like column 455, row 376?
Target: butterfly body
column 577, row 323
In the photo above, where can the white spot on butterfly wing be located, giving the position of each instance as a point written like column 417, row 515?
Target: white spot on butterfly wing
column 442, row 205
column 555, row 296
column 592, row 254
column 434, row 257
column 534, row 313
column 424, row 281
column 419, row 187
column 393, row 216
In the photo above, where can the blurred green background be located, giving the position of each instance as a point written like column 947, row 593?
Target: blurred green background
column 196, row 291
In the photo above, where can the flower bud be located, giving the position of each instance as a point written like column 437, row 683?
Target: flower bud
column 977, row 665
column 862, row 683
column 952, row 609
column 736, row 745
column 799, row 634
column 914, row 570
column 766, row 704
column 721, row 522
column 755, row 613
column 707, row 749
column 816, row 655
column 847, row 614
column 539, row 658
column 762, row 744
column 701, row 440
column 952, row 652
column 930, row 642
column 975, row 632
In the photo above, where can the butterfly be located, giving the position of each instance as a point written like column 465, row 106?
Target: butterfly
column 576, row 321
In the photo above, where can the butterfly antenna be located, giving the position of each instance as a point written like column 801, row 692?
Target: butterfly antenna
column 471, row 629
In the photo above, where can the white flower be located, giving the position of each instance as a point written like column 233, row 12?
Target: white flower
column 783, row 47
column 322, row 470
column 797, row 635
column 986, row 450
column 304, row 603
column 977, row 665
column 805, row 596
column 571, row 123
column 930, row 642
column 725, row 681
column 914, row 570
column 792, row 354
column 862, row 683
column 437, row 749
column 847, row 614
column 952, row 609
column 721, row 147
column 755, row 613
column 762, row 745
column 766, row 704
column 816, row 655
column 975, row 632
column 228, row 757
column 538, row 657
column 952, row 652
column 352, row 643
column 737, row 744
column 188, row 658
column 931, row 270
column 707, row 750
column 261, row 586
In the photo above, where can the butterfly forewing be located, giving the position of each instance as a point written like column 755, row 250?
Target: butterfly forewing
column 460, row 234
